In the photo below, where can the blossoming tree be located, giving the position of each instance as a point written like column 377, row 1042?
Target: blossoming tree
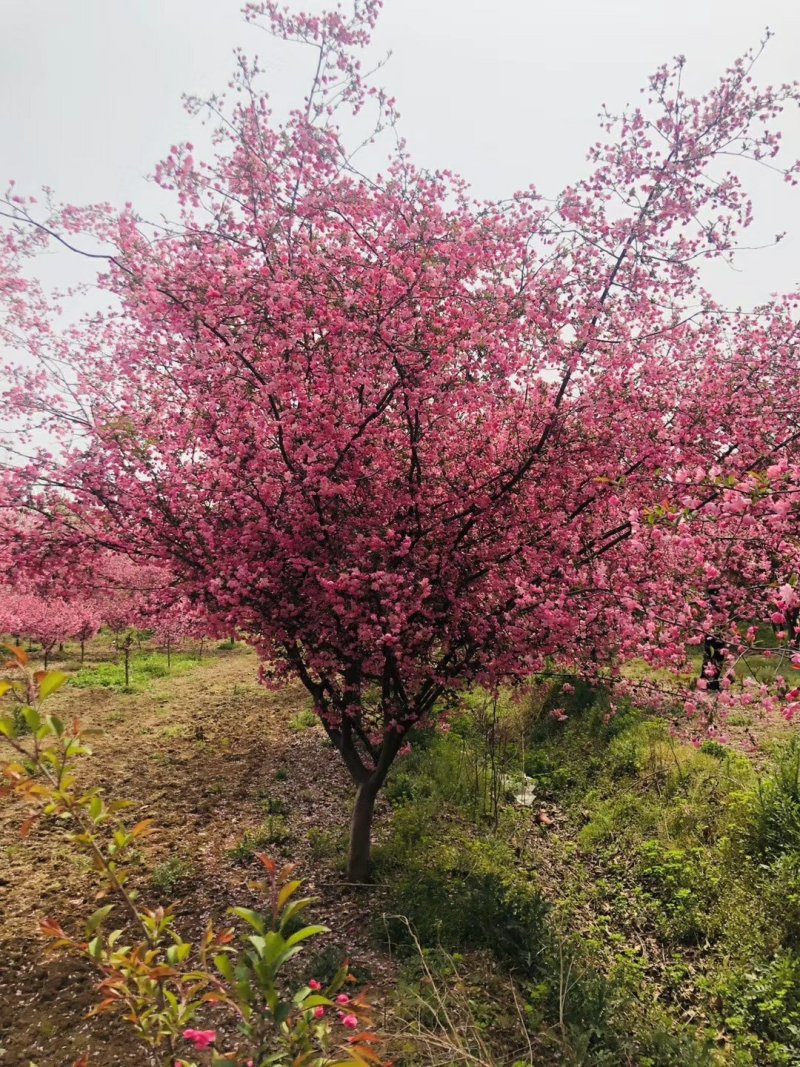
column 405, row 440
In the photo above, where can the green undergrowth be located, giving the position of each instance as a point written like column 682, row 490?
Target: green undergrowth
column 145, row 668
column 644, row 910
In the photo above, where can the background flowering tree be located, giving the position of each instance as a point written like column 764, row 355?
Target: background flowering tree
column 405, row 440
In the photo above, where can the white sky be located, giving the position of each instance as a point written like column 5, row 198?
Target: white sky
column 505, row 92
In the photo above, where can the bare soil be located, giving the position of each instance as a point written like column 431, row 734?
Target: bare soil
column 206, row 753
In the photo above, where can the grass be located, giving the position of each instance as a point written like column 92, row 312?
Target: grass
column 171, row 875
column 145, row 668
column 273, row 831
column 656, row 921
column 303, row 720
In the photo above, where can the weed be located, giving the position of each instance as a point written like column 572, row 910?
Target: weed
column 273, row 831
column 326, row 844
column 168, row 876
column 303, row 720
column 775, row 809
column 274, row 805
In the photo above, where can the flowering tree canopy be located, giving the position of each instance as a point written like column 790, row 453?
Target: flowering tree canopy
column 403, row 439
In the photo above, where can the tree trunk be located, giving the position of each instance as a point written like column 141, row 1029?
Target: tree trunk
column 713, row 662
column 359, row 860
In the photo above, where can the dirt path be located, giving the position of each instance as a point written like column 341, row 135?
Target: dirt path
column 210, row 755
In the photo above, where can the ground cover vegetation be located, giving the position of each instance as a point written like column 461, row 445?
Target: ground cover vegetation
column 504, row 504
column 585, row 888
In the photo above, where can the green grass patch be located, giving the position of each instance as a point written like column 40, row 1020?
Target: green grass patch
column 656, row 921
column 145, row 668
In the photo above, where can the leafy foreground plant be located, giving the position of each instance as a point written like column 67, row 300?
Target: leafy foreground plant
column 157, row 980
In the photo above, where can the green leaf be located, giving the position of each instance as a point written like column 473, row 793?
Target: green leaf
column 305, row 1000
column 178, row 953
column 274, row 947
column 7, row 726
column 224, row 966
column 282, row 1012
column 294, row 909
column 259, row 943
column 288, row 890
column 95, row 948
column 99, row 917
column 31, row 717
column 307, row 931
column 52, row 681
column 252, row 917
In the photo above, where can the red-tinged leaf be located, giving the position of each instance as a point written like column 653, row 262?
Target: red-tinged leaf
column 28, row 825
column 364, row 1054
column 143, row 828
column 103, row 1006
column 269, row 864
column 51, row 928
column 19, row 654
column 38, row 675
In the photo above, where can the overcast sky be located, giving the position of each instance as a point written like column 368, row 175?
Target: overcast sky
column 505, row 92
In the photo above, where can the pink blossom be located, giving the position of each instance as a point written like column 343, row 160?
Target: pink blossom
column 314, row 984
column 350, row 1021
column 404, row 441
column 201, row 1039
column 343, row 999
column 319, row 1011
